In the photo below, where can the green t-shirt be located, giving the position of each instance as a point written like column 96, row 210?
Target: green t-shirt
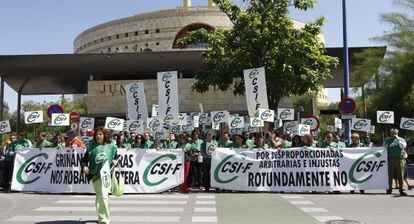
column 341, row 144
column 98, row 155
column 45, row 144
column 326, row 145
column 393, row 147
column 286, row 144
column 250, row 143
column 148, row 144
column 227, row 144
column 352, row 145
column 167, row 145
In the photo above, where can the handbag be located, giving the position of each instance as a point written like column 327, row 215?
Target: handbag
column 117, row 185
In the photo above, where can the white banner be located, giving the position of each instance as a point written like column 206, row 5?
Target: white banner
column 361, row 124
column 407, row 123
column 267, row 115
column 136, row 101
column 219, row 116
column 32, row 117
column 115, row 124
column 236, row 122
column 167, row 96
column 385, row 117
column 285, row 114
column 135, row 126
column 59, row 170
column 5, row 127
column 87, row 123
column 59, row 119
column 256, row 93
column 300, row 169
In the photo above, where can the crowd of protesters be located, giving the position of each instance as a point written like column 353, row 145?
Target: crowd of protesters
column 197, row 156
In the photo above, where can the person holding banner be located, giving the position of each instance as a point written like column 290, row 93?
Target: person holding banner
column 186, row 147
column 249, row 142
column 73, row 141
column 309, row 141
column 340, row 143
column 355, row 141
column 42, row 142
column 260, row 143
column 148, row 144
column 59, row 141
column 395, row 147
column 99, row 156
column 198, row 145
column 329, row 142
column 121, row 141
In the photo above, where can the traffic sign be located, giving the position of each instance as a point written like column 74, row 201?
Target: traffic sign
column 313, row 122
column 74, row 117
column 54, row 108
column 347, row 105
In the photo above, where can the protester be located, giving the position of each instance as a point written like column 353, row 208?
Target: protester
column 225, row 142
column 122, row 141
column 249, row 142
column 170, row 143
column 261, row 144
column 239, row 142
column 148, row 144
column 99, row 151
column 329, row 142
column 395, row 147
column 42, row 142
column 73, row 141
column 355, row 141
column 139, row 142
column 309, row 141
column 196, row 174
column 59, row 141
column 340, row 144
column 186, row 147
column 297, row 141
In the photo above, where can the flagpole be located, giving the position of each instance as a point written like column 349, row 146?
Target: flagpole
column 346, row 70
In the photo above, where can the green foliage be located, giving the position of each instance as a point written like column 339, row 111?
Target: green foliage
column 263, row 36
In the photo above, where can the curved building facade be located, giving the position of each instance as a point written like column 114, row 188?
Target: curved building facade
column 157, row 30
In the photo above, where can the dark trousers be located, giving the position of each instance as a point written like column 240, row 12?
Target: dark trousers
column 7, row 170
column 395, row 169
column 206, row 174
column 195, row 174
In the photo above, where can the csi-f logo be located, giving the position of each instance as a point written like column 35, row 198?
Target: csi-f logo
column 308, row 122
column 304, row 130
column 33, row 169
column 360, row 124
column 166, row 77
column 290, row 126
column 256, row 122
column 203, row 118
column 101, row 157
column 253, row 74
column 266, row 115
column 154, row 124
column 133, row 127
column 236, row 122
column 176, row 129
column 168, row 119
column 86, row 123
column 133, row 88
column 211, row 148
column 114, row 123
column 33, row 116
column 385, row 116
column 365, row 165
column 285, row 114
column 60, row 119
column 158, row 135
column 218, row 116
column 230, row 167
column 160, row 170
column 3, row 126
column 408, row 124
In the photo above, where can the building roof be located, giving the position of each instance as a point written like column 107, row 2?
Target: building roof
column 69, row 73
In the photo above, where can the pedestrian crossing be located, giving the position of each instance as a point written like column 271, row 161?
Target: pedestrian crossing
column 139, row 208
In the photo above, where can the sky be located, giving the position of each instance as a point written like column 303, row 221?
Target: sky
column 50, row 26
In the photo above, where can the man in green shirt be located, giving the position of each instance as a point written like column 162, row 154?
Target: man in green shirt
column 329, row 142
column 355, row 141
column 340, row 143
column 148, row 143
column 170, row 143
column 225, row 142
column 42, row 142
column 395, row 148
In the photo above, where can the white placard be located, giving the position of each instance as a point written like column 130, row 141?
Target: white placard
column 303, row 129
column 60, row 119
column 385, row 117
column 359, row 124
column 115, row 124
column 267, row 115
column 136, row 101
column 154, row 124
column 180, row 119
column 210, row 147
column 338, row 123
column 407, row 123
column 167, row 96
column 215, row 126
column 372, row 129
column 256, row 122
column 219, row 116
column 5, row 127
column 278, row 123
column 236, row 122
column 188, row 127
column 312, row 121
column 204, row 118
column 32, row 117
column 87, row 123
column 196, row 121
column 135, row 126
column 154, row 110
column 289, row 126
column 256, row 93
column 286, row 114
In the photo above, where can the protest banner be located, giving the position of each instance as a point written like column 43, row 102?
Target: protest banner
column 256, row 93
column 167, row 96
column 136, row 101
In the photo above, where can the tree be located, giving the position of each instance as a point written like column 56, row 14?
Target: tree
column 262, row 35
column 394, row 84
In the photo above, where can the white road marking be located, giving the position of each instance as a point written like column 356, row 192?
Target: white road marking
column 310, row 209
column 205, row 210
column 327, row 218
column 301, row 202
column 204, row 219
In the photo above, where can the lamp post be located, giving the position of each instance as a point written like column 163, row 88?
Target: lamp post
column 346, row 70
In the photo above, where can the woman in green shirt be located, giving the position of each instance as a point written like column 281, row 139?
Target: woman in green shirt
column 98, row 152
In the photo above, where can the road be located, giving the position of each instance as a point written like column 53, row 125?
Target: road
column 199, row 207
